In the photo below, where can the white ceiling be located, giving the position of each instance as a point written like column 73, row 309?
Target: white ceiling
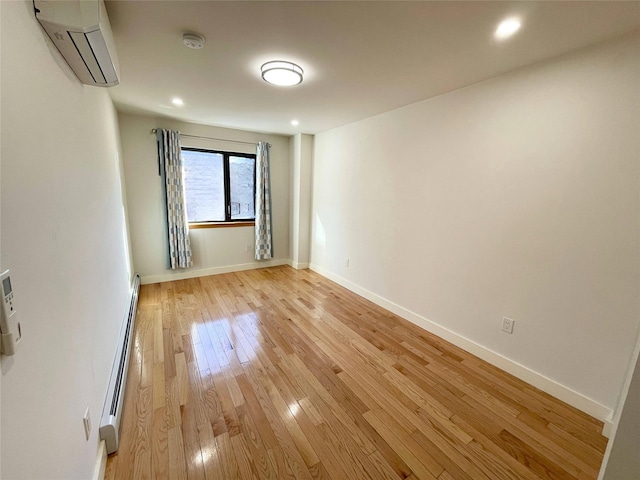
column 360, row 58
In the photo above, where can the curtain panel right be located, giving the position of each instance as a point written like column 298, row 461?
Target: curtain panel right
column 264, row 227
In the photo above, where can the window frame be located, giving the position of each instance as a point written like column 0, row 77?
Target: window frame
column 228, row 221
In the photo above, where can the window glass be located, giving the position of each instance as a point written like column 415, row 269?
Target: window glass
column 241, row 180
column 204, row 186
column 219, row 186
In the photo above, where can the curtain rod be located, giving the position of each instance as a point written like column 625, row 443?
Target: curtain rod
column 212, row 138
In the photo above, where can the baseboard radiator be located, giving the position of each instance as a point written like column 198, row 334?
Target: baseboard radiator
column 112, row 411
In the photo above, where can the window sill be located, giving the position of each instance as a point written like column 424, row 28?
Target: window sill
column 248, row 223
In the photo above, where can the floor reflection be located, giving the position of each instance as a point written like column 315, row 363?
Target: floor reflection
column 221, row 343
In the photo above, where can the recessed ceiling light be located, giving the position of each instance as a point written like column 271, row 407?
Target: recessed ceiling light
column 177, row 102
column 507, row 28
column 192, row 40
column 285, row 74
column 295, row 123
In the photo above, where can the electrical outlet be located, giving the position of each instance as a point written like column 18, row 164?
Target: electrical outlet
column 87, row 423
column 346, row 262
column 507, row 325
column 248, row 249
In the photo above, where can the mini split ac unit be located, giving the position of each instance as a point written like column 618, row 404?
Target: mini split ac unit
column 81, row 32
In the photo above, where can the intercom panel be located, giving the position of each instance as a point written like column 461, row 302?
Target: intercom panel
column 10, row 330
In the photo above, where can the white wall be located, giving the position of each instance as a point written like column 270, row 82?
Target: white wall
column 301, row 153
column 64, row 239
column 214, row 250
column 622, row 458
column 514, row 197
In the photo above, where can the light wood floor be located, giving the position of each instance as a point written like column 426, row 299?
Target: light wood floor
column 282, row 374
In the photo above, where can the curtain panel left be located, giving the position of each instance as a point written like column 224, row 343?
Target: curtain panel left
column 170, row 169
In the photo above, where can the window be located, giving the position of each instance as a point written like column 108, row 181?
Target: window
column 219, row 186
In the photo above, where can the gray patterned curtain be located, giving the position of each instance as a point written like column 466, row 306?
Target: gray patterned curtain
column 170, row 168
column 264, row 244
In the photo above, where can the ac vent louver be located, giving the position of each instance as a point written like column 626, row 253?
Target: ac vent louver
column 80, row 30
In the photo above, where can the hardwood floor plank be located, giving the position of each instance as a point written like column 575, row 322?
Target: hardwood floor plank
column 172, row 402
column 210, row 455
column 489, row 455
column 280, row 465
column 158, row 385
column 142, row 448
column 288, row 418
column 311, row 411
column 285, row 443
column 566, row 441
column 536, row 460
column 243, row 458
column 110, row 470
column 182, row 377
column 397, row 441
column 158, row 339
column 227, row 457
column 254, row 409
column 191, row 417
column 331, row 408
column 160, row 445
column 280, row 374
column 258, row 452
column 344, row 455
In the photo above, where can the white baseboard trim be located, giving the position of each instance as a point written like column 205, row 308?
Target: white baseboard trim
column 559, row 391
column 607, row 429
column 299, row 266
column 203, row 272
column 101, row 462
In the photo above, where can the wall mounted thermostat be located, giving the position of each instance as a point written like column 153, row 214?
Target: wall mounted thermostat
column 10, row 332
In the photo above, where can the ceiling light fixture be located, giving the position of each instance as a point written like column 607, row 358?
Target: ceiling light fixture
column 177, row 102
column 278, row 72
column 295, row 123
column 192, row 40
column 507, row 28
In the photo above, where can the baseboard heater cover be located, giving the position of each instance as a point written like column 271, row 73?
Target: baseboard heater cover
column 112, row 411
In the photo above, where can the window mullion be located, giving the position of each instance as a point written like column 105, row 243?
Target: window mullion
column 227, row 189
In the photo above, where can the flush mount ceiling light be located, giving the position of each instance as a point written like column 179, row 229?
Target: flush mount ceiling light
column 507, row 28
column 295, row 123
column 192, row 40
column 278, row 72
column 177, row 101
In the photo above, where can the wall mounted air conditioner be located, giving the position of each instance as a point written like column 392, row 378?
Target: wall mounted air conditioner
column 81, row 32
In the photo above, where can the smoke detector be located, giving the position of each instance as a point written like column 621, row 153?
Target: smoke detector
column 192, row 40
